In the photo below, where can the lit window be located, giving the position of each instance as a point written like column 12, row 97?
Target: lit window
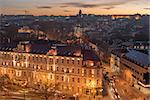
column 92, row 71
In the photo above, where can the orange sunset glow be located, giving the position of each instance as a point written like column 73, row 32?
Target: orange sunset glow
column 71, row 7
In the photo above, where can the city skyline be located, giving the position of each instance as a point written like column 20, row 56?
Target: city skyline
column 71, row 7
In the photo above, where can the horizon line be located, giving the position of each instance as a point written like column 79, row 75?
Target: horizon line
column 73, row 14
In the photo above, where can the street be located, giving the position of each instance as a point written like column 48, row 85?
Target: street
column 119, row 87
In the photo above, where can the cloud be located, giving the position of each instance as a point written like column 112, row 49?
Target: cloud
column 78, row 4
column 94, row 5
column 63, row 6
column 67, row 11
column 44, row 7
column 109, row 8
column 146, row 8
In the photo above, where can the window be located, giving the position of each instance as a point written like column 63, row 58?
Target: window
column 47, row 68
column 62, row 60
column 44, row 59
column 72, row 70
column 51, row 60
column 97, row 81
column 37, row 67
column 51, row 68
column 84, row 71
column 78, row 71
column 90, row 72
column 78, row 89
column 67, row 61
column 62, row 70
column 62, row 78
column 78, row 61
column 85, row 81
column 72, row 61
column 78, row 80
column 36, row 58
column 72, row 79
column 24, row 73
column 51, row 77
column 41, row 67
column 67, row 71
column 89, row 81
column 57, row 77
column 57, row 60
column 97, row 72
column 57, row 69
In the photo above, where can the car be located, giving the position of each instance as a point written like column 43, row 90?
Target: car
column 116, row 91
column 118, row 96
column 115, row 96
column 64, row 97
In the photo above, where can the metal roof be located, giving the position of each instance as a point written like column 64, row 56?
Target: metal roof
column 139, row 57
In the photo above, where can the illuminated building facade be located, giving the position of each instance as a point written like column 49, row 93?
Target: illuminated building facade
column 69, row 67
column 136, row 16
column 115, row 59
column 133, row 66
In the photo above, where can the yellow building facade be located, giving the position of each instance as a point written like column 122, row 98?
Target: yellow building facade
column 72, row 74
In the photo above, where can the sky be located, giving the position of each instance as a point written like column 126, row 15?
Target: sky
column 72, row 7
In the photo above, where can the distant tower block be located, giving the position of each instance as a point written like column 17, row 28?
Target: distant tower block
column 80, row 12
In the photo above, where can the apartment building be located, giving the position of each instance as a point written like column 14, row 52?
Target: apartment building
column 133, row 65
column 74, row 70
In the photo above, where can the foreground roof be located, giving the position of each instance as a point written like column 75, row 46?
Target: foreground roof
column 139, row 57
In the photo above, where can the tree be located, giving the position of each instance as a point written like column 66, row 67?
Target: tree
column 49, row 90
column 4, row 80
